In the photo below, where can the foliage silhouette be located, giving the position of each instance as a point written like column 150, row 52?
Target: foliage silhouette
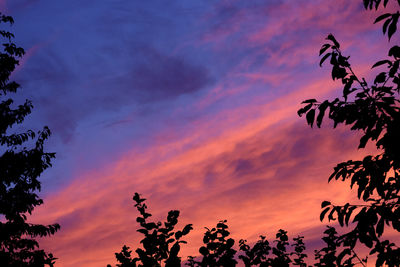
column 299, row 248
column 391, row 19
column 161, row 243
column 328, row 256
column 218, row 249
column 20, row 167
column 257, row 255
column 161, row 246
column 372, row 109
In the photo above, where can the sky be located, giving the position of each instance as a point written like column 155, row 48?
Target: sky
column 192, row 104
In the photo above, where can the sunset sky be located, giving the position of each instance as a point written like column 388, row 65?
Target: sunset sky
column 194, row 105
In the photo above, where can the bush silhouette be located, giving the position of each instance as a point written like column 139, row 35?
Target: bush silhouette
column 161, row 246
column 218, row 248
column 161, row 243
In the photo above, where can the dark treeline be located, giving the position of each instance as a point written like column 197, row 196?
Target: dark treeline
column 162, row 242
column 372, row 109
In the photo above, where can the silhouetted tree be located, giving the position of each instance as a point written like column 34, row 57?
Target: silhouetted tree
column 161, row 243
column 373, row 109
column 258, row 254
column 21, row 163
column 218, row 249
column 161, row 247
column 299, row 248
column 335, row 253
